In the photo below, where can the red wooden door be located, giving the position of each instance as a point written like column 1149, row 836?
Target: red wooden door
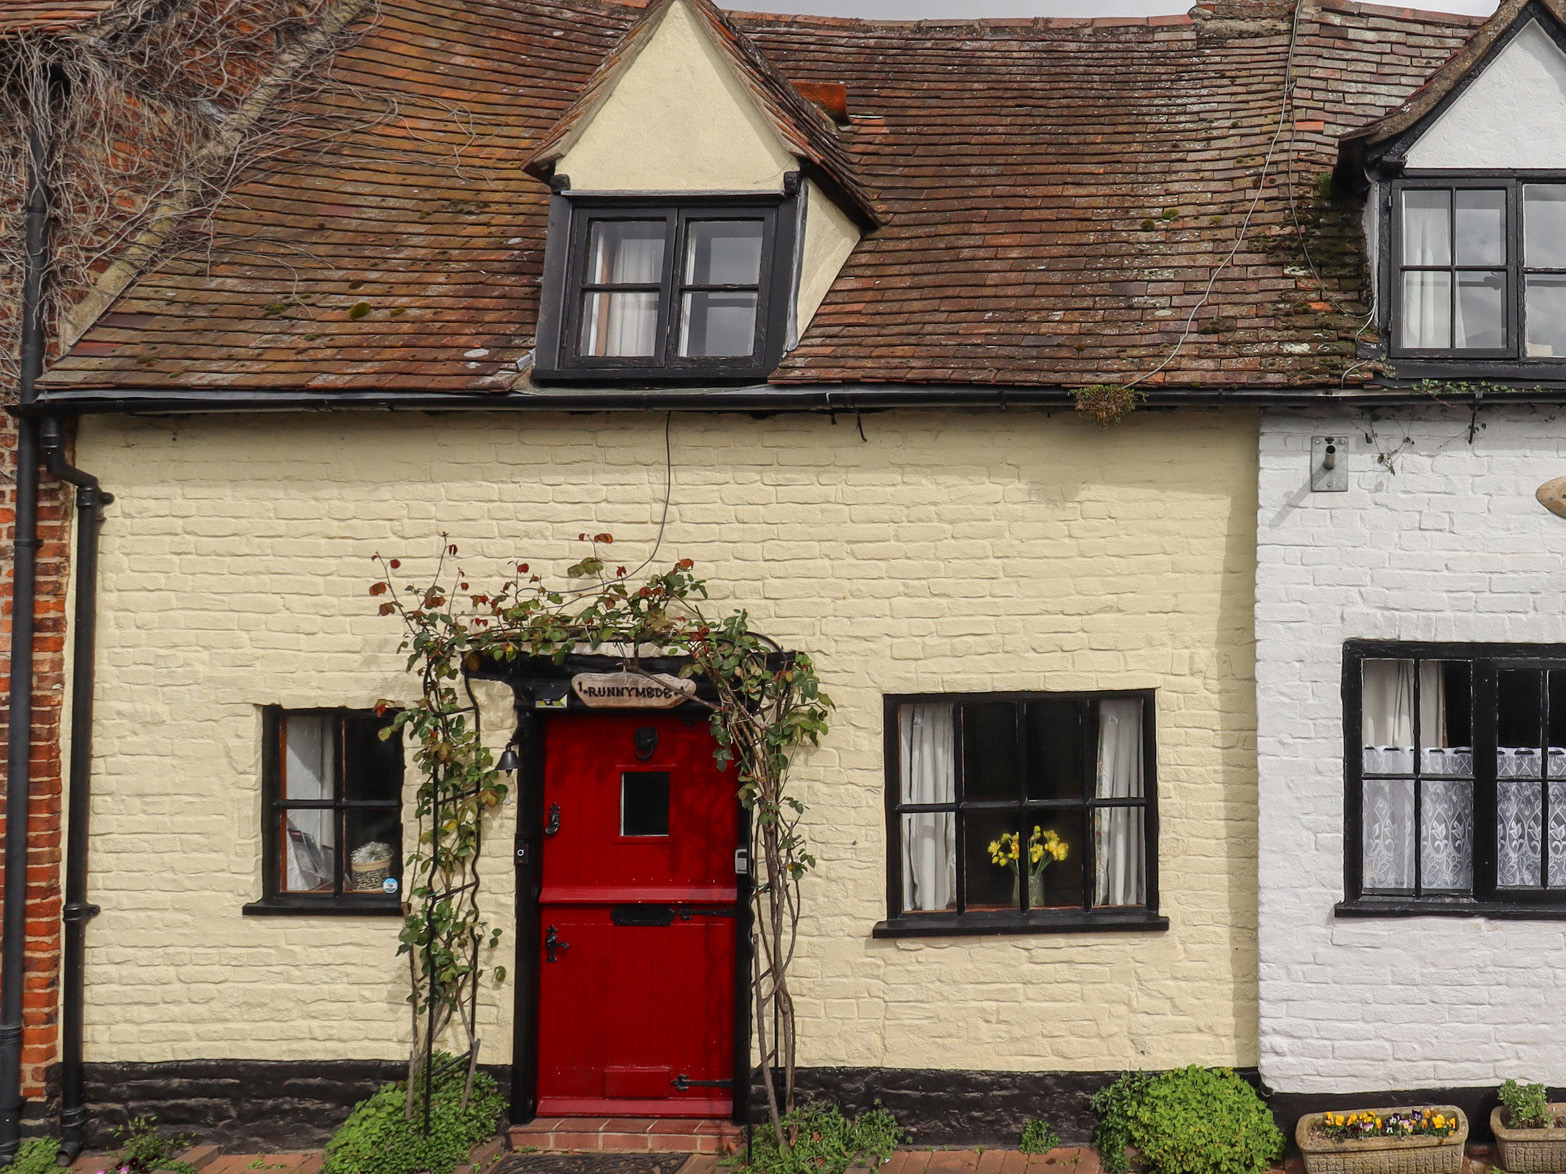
column 636, row 961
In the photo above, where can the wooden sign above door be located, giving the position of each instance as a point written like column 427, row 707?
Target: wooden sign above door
column 632, row 690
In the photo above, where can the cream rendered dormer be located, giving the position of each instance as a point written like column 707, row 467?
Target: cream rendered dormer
column 702, row 209
column 1466, row 216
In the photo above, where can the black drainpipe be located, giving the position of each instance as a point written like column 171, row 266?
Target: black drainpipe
column 48, row 437
column 90, row 500
column 13, row 916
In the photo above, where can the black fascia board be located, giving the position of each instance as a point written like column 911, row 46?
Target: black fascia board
column 755, row 398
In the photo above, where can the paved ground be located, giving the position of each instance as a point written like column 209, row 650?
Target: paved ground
column 1067, row 1160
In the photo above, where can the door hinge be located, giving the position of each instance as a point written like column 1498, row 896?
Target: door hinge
column 683, row 1082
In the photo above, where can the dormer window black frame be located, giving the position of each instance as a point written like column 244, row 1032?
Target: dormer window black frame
column 635, row 290
column 1472, row 272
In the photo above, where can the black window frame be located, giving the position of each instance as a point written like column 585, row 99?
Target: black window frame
column 341, row 901
column 899, row 923
column 1486, row 898
column 557, row 356
column 1507, row 361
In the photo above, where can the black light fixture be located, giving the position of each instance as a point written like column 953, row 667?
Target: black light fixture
column 509, row 758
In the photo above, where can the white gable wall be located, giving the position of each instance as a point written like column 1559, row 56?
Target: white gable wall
column 1511, row 115
column 1450, row 547
column 678, row 120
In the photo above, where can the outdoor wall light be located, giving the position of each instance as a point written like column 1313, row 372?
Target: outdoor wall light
column 509, row 758
column 1552, row 496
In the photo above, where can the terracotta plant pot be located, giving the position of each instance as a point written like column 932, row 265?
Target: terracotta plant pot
column 1531, row 1151
column 1383, row 1155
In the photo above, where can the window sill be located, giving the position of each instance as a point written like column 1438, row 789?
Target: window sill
column 974, row 924
column 364, row 905
column 1448, row 907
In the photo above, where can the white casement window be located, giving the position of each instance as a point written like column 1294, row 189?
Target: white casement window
column 1018, row 812
column 1457, row 777
column 1478, row 269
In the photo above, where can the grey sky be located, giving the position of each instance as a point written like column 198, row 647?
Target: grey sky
column 960, row 9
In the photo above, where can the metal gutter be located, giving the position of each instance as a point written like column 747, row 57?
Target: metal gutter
column 90, row 500
column 756, row 398
column 41, row 435
column 19, row 744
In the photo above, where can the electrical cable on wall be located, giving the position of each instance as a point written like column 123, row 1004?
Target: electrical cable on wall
column 1250, row 212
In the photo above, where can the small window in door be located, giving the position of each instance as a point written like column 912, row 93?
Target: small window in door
column 644, row 803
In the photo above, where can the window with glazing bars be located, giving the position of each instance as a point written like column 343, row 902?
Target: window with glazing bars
column 1479, row 268
column 1457, row 775
column 1020, row 810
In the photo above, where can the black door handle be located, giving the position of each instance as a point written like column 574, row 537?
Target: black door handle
column 553, row 826
column 552, row 943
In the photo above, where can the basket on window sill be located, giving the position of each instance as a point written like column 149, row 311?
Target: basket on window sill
column 371, row 865
column 371, row 874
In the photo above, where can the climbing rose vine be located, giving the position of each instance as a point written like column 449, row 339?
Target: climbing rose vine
column 765, row 705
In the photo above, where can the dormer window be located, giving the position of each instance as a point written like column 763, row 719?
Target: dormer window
column 688, row 289
column 1479, row 269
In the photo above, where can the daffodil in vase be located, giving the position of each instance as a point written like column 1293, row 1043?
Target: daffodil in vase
column 1044, row 848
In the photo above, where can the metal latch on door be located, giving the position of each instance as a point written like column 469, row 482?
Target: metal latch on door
column 683, row 1082
column 552, row 943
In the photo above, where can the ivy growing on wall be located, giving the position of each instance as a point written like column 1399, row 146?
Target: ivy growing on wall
column 764, row 703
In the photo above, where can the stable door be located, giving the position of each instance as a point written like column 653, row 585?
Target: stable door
column 636, row 919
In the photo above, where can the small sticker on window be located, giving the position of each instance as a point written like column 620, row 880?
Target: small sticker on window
column 389, row 885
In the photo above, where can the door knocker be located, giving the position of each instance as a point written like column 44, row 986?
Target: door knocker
column 646, row 741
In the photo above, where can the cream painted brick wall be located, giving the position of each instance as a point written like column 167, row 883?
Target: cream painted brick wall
column 949, row 552
column 1450, row 547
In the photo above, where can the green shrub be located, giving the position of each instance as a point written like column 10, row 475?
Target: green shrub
column 34, row 1156
column 1527, row 1106
column 1038, row 1137
column 145, row 1148
column 1190, row 1121
column 378, row 1138
column 826, row 1142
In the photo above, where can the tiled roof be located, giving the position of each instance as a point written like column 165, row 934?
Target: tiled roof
column 1059, row 194
column 49, row 16
column 808, row 133
column 1446, row 79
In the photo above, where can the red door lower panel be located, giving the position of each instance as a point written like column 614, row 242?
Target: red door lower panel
column 626, row 1016
column 636, row 916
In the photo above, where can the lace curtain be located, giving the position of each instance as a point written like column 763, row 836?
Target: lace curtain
column 926, row 734
column 1444, row 838
column 1121, row 873
column 1519, row 812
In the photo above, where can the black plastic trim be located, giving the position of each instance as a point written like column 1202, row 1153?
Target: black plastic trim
column 344, row 906
column 937, row 925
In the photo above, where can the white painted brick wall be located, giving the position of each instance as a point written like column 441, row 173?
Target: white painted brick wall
column 950, row 552
column 1451, row 546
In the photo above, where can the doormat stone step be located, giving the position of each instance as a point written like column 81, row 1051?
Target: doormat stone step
column 600, row 1163
column 628, row 1134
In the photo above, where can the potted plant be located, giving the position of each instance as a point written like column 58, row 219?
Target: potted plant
column 1044, row 849
column 371, row 863
column 1422, row 1140
column 1529, row 1131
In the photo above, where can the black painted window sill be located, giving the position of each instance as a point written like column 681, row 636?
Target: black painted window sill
column 937, row 925
column 345, row 906
column 1409, row 907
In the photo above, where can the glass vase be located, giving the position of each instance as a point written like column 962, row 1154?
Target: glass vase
column 1035, row 891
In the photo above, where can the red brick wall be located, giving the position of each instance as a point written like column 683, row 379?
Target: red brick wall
column 40, row 1039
